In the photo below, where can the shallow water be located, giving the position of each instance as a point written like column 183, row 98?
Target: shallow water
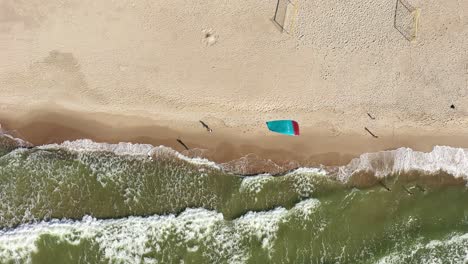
column 113, row 204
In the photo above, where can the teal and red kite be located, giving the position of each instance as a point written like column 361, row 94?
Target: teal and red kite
column 287, row 127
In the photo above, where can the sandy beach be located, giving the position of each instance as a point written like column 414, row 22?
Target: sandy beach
column 149, row 71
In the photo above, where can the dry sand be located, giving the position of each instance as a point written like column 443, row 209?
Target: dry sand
column 147, row 71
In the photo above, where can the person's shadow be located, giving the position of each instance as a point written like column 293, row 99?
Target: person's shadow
column 183, row 144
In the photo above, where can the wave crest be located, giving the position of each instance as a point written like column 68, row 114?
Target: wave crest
column 453, row 161
column 125, row 148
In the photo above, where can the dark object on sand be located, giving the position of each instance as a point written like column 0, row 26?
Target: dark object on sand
column 372, row 134
column 385, row 186
column 371, row 117
column 206, row 126
column 452, row 106
column 183, row 144
column 406, row 189
column 420, row 188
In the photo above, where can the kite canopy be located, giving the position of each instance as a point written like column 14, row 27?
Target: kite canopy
column 287, row 127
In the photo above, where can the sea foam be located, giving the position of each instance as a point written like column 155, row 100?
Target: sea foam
column 451, row 160
column 455, row 247
column 129, row 239
column 17, row 141
column 125, row 148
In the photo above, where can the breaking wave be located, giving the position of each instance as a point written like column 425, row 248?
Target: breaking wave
column 137, row 203
column 128, row 240
column 452, row 249
column 125, row 148
column 453, row 161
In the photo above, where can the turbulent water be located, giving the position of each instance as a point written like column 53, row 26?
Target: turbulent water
column 86, row 202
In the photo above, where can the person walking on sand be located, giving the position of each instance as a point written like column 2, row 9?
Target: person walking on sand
column 206, row 126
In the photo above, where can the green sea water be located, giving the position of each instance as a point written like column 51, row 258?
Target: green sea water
column 59, row 205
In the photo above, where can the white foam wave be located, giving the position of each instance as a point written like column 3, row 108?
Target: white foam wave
column 302, row 180
column 19, row 142
column 304, row 209
column 263, row 225
column 254, row 184
column 125, row 148
column 129, row 239
column 453, row 161
column 313, row 171
column 450, row 250
column 122, row 148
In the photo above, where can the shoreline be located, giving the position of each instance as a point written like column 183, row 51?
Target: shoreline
column 121, row 73
column 312, row 148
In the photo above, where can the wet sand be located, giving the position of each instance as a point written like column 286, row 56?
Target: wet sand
column 312, row 148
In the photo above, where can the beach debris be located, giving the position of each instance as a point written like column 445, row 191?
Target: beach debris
column 385, row 186
column 183, row 144
column 371, row 117
column 372, row 134
column 286, row 127
column 206, row 126
column 452, row 106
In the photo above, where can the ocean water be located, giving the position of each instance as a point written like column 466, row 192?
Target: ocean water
column 87, row 202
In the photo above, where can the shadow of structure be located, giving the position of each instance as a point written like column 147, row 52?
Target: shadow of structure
column 406, row 19
column 280, row 14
